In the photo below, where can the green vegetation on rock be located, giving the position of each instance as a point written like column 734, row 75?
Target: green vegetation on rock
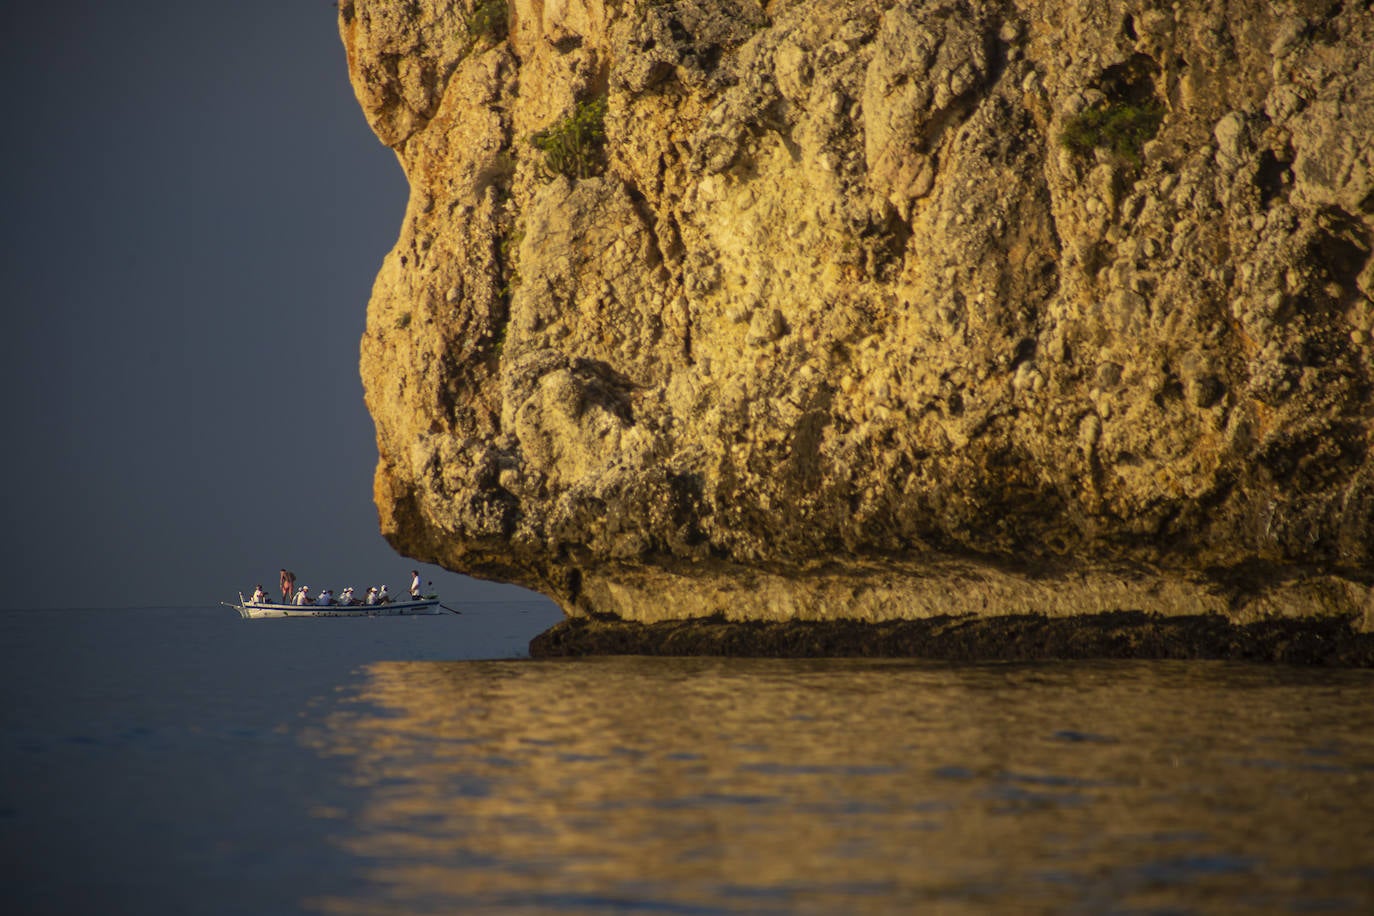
column 508, row 257
column 573, row 146
column 1122, row 128
column 488, row 21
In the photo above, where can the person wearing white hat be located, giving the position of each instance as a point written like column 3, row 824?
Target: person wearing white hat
column 382, row 596
column 346, row 597
column 259, row 596
column 302, row 596
column 371, row 595
column 326, row 598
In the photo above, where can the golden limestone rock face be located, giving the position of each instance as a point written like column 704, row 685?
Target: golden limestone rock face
column 878, row 310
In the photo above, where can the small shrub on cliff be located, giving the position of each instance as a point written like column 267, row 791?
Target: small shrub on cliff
column 488, row 21
column 1121, row 127
column 508, row 260
column 574, row 145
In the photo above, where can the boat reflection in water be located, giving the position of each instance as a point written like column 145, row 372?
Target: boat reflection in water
column 718, row 785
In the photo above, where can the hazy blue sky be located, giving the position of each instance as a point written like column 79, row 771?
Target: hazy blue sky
column 194, row 212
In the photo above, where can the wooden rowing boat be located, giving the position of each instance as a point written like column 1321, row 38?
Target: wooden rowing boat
column 254, row 610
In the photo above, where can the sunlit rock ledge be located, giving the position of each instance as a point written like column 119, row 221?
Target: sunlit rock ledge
column 940, row 586
column 875, row 310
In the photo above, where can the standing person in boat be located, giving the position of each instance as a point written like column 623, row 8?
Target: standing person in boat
column 415, row 584
column 288, row 585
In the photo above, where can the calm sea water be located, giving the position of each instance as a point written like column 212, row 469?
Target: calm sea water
column 185, row 761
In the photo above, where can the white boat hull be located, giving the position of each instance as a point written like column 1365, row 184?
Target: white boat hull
column 252, row 610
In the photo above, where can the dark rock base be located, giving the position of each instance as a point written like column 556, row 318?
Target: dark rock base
column 1127, row 634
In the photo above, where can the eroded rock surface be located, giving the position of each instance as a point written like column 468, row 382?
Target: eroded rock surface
column 835, row 324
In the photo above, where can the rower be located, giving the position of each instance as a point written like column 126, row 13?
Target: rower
column 302, row 596
column 326, row 598
column 346, row 597
column 259, row 596
column 371, row 595
column 382, row 596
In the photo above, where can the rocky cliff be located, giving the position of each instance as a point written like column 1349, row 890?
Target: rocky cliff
column 879, row 310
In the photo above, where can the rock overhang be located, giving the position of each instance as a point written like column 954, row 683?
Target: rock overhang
column 838, row 324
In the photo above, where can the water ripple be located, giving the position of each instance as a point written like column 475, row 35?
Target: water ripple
column 733, row 786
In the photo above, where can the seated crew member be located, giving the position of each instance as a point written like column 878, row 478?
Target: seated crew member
column 302, row 596
column 382, row 596
column 259, row 596
column 371, row 595
column 326, row 598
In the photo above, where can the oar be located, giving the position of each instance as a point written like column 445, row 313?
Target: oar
column 447, row 608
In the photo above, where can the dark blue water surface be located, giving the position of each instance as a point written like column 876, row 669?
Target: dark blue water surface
column 152, row 758
column 180, row 760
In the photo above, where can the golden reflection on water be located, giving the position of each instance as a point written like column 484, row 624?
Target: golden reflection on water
column 722, row 786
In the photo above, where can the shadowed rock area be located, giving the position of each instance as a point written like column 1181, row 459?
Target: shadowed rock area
column 875, row 311
column 1121, row 635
